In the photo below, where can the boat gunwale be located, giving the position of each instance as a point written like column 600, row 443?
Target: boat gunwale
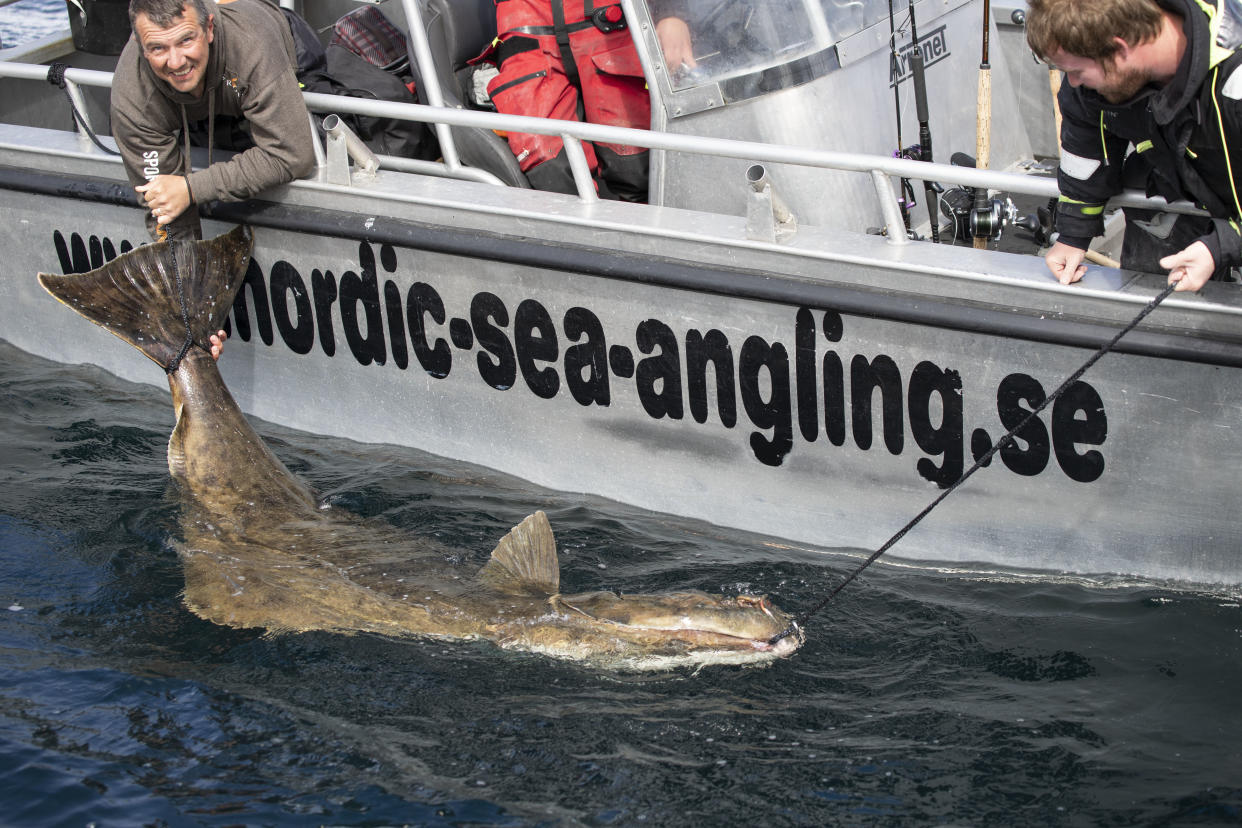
column 662, row 271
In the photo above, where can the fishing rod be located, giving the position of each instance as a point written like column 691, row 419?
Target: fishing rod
column 930, row 188
column 907, row 191
column 977, row 215
column 802, row 619
column 984, row 220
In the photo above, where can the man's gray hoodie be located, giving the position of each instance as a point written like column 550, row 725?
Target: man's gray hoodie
column 250, row 74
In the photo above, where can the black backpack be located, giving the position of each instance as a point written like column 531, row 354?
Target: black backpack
column 339, row 71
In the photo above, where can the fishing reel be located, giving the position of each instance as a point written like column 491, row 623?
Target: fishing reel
column 907, row 200
column 914, row 152
column 985, row 220
column 972, row 213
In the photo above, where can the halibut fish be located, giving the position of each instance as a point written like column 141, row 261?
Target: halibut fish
column 260, row 550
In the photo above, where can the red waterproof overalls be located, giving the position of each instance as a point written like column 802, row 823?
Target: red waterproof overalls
column 572, row 60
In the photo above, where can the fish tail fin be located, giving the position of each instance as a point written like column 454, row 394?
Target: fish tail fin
column 139, row 297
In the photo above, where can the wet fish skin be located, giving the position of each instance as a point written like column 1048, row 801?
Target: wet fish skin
column 260, row 550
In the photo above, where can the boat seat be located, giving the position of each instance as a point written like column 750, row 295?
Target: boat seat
column 457, row 31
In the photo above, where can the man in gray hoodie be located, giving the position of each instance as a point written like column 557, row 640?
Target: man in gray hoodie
column 190, row 61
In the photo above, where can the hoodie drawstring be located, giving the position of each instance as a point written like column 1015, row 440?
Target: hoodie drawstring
column 185, row 137
column 211, row 134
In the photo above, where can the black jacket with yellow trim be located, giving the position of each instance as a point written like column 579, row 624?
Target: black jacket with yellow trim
column 1182, row 131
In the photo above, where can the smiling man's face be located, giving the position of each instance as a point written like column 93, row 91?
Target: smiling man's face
column 177, row 53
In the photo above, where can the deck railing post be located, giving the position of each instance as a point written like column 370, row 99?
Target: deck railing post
column 419, row 51
column 320, row 158
column 894, row 226
column 79, row 103
column 579, row 167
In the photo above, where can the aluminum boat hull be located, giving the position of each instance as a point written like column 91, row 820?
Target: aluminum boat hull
column 821, row 391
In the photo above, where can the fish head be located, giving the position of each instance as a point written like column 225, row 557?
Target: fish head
column 666, row 630
column 627, row 632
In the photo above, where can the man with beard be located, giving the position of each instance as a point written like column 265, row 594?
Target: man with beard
column 1151, row 74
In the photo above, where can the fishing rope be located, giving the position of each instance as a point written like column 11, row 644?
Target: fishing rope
column 175, row 362
column 802, row 619
column 56, row 77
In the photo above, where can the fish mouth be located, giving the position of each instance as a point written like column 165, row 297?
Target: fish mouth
column 786, row 641
column 780, row 644
column 717, row 627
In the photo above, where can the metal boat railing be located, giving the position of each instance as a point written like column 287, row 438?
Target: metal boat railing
column 881, row 169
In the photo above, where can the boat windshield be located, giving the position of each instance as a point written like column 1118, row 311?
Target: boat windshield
column 731, row 38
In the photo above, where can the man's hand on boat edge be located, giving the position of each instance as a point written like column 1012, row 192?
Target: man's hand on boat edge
column 1065, row 262
column 1190, row 268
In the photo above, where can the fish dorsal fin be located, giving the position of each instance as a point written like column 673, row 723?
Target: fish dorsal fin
column 524, row 562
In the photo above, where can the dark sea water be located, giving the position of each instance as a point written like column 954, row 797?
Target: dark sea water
column 28, row 20
column 920, row 698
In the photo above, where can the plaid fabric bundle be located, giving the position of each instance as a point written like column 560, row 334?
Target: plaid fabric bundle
column 366, row 32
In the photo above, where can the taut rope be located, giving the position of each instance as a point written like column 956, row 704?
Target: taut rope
column 981, row 462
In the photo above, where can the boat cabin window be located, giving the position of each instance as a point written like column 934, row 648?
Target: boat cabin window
column 849, row 17
column 751, row 47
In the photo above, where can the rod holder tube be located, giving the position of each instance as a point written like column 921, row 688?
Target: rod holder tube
column 343, row 141
column 768, row 218
column 757, row 177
